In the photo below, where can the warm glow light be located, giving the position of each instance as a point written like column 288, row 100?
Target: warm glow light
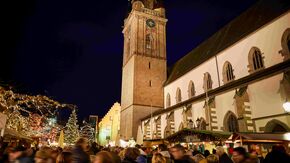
column 286, row 106
column 287, row 136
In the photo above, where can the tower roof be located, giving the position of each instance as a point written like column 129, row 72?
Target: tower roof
column 261, row 13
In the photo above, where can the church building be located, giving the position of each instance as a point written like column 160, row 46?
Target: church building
column 236, row 81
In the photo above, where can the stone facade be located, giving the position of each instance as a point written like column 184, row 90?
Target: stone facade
column 144, row 66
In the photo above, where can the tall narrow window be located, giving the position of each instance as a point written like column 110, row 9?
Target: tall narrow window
column 150, row 83
column 178, row 95
column 255, row 60
column 207, row 82
column 231, row 122
column 228, row 72
column 148, row 41
column 168, row 100
column 149, row 65
column 191, row 90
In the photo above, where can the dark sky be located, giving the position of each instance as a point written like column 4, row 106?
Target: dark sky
column 71, row 50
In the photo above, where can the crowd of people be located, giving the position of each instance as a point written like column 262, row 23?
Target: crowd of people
column 82, row 152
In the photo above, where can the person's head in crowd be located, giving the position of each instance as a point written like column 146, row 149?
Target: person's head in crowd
column 178, row 151
column 206, row 153
column 278, row 148
column 64, row 157
column 212, row 159
column 220, row 151
column 104, row 157
column 83, row 143
column 147, row 150
column 41, row 157
column 47, row 149
column 239, row 154
column 162, row 147
column 158, row 158
column 198, row 157
column 132, row 153
column 15, row 152
column 138, row 146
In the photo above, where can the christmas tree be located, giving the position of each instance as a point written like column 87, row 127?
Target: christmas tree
column 71, row 132
column 87, row 131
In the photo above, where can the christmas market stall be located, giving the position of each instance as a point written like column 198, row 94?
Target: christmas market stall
column 259, row 142
column 12, row 135
column 200, row 139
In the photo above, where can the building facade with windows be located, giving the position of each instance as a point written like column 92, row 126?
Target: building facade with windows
column 109, row 127
column 237, row 80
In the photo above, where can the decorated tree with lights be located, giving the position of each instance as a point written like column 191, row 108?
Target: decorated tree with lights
column 71, row 132
column 27, row 113
column 87, row 131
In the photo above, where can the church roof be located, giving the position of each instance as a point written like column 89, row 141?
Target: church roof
column 261, row 13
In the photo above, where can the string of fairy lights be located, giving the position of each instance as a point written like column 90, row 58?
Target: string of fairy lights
column 30, row 115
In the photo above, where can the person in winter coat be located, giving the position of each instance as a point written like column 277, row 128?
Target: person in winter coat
column 163, row 150
column 142, row 158
column 79, row 154
column 278, row 154
column 131, row 155
column 223, row 157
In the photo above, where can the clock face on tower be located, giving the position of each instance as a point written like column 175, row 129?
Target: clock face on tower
column 150, row 23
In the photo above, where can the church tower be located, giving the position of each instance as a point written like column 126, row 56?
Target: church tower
column 144, row 64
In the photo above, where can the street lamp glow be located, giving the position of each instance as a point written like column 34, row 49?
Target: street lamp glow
column 286, row 106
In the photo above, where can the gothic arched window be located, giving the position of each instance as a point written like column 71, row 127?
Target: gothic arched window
column 191, row 89
column 168, row 100
column 228, row 72
column 285, row 42
column 207, row 82
column 178, row 95
column 231, row 122
column 255, row 60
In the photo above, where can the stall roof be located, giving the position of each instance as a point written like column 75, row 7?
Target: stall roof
column 15, row 134
column 202, row 135
column 261, row 137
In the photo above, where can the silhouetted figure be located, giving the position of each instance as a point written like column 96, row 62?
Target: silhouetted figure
column 278, row 154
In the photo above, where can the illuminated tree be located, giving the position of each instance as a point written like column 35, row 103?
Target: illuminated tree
column 71, row 132
column 87, row 131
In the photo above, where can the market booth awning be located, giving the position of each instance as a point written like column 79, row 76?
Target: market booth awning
column 260, row 137
column 9, row 133
column 193, row 135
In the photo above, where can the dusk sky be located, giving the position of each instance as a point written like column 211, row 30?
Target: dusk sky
column 71, row 50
